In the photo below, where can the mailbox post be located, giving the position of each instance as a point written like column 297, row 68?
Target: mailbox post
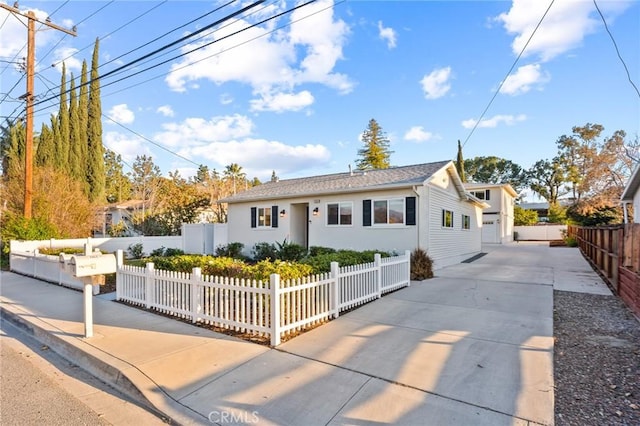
column 90, row 268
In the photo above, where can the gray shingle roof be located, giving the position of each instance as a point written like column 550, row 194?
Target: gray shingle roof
column 403, row 176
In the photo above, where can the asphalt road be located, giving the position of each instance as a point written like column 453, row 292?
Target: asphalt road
column 37, row 387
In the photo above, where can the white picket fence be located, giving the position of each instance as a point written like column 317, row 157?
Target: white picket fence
column 45, row 267
column 275, row 308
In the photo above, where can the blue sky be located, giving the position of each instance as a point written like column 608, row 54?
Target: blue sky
column 294, row 94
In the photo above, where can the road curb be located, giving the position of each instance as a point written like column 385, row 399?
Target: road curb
column 95, row 362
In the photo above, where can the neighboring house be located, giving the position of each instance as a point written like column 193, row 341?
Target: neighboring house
column 631, row 195
column 497, row 220
column 117, row 213
column 542, row 208
column 394, row 209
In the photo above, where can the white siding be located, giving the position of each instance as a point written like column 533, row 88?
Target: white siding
column 636, row 207
column 452, row 245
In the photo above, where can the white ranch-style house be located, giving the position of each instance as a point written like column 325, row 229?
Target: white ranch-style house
column 497, row 220
column 394, row 209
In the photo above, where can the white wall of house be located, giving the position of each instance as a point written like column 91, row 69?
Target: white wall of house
column 449, row 245
column 445, row 245
column 636, row 206
column 498, row 218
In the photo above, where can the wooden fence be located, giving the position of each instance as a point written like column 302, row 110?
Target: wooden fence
column 275, row 308
column 615, row 252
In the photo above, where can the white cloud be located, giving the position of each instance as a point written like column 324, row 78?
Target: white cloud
column 305, row 52
column 523, row 80
column 281, row 102
column 494, row 121
column 198, row 131
column 121, row 114
column 388, row 34
column 418, row 134
column 71, row 62
column 259, row 156
column 436, row 84
column 166, row 110
column 563, row 28
column 129, row 147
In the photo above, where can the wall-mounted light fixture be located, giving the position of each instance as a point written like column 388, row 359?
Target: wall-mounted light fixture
column 316, row 211
column 282, row 213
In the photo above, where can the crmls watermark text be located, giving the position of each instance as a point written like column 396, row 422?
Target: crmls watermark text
column 226, row 417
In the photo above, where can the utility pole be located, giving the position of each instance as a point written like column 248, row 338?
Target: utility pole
column 29, row 96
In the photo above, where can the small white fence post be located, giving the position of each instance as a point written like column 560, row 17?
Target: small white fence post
column 407, row 254
column 148, row 281
column 377, row 261
column 119, row 263
column 196, row 289
column 335, row 293
column 274, row 293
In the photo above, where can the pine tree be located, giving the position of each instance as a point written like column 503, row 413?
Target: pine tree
column 117, row 184
column 95, row 151
column 62, row 138
column 460, row 163
column 46, row 152
column 376, row 153
column 76, row 166
column 13, row 151
column 83, row 111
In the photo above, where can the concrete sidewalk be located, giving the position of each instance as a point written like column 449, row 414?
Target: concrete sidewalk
column 472, row 346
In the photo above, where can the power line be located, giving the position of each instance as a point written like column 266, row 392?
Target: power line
column 616, row 47
column 160, row 49
column 475, row 126
column 113, row 32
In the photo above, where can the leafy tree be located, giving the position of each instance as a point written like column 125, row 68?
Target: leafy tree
column 95, row 152
column 497, row 171
column 460, row 163
column 117, row 184
column 557, row 213
column 180, row 203
column 523, row 217
column 547, row 179
column 145, row 179
column 375, row 154
column 58, row 200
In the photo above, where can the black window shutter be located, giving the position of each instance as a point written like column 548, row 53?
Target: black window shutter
column 254, row 216
column 410, row 206
column 274, row 216
column 366, row 212
column 486, row 194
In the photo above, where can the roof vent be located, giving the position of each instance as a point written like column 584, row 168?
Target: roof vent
column 350, row 171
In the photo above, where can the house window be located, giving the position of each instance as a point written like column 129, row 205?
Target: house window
column 466, row 221
column 388, row 211
column 447, row 218
column 481, row 195
column 264, row 217
column 339, row 213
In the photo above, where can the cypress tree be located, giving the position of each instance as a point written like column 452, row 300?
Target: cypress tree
column 83, row 111
column 460, row 163
column 62, row 139
column 95, row 152
column 46, row 152
column 76, row 167
column 13, row 161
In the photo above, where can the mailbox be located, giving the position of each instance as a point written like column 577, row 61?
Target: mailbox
column 93, row 264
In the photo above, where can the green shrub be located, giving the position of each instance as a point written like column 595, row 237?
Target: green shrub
column 290, row 252
column 322, row 263
column 16, row 227
column 264, row 251
column 233, row 250
column 157, row 252
column 421, row 265
column 168, row 252
column 57, row 251
column 135, row 251
column 287, row 270
column 317, row 250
